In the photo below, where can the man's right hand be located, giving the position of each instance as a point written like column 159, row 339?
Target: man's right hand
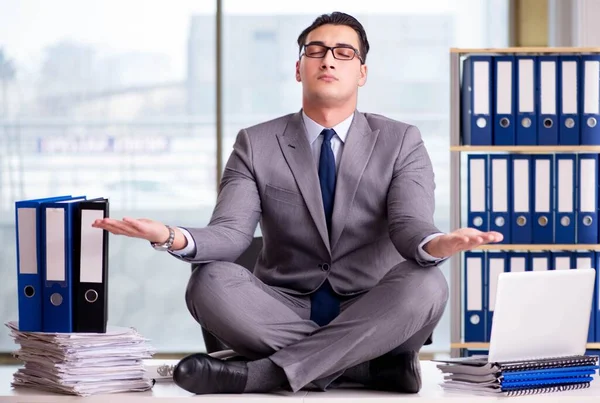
column 143, row 228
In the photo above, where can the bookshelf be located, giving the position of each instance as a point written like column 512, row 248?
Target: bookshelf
column 457, row 149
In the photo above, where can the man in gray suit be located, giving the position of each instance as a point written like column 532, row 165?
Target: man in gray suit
column 347, row 282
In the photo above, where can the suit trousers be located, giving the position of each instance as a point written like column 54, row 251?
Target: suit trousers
column 259, row 321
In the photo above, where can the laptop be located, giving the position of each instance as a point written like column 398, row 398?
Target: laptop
column 541, row 314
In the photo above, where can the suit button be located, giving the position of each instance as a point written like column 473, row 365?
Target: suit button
column 325, row 267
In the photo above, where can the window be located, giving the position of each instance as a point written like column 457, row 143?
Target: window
column 112, row 99
column 117, row 99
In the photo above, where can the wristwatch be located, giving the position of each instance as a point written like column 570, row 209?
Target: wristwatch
column 165, row 246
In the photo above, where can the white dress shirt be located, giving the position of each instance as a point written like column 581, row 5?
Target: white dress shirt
column 313, row 131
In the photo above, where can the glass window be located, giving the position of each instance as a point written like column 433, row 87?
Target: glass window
column 117, row 99
column 112, row 99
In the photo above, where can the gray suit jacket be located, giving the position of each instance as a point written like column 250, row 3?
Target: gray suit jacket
column 383, row 208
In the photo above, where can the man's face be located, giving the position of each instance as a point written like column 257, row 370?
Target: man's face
column 327, row 80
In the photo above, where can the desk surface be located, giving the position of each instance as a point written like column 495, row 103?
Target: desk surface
column 168, row 392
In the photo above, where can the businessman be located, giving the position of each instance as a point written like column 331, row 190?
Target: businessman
column 347, row 283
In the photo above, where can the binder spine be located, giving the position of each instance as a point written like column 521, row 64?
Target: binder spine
column 547, row 389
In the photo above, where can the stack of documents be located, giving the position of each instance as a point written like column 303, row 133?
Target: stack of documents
column 478, row 376
column 82, row 363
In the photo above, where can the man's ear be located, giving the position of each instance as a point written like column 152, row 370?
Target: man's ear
column 362, row 78
column 298, row 71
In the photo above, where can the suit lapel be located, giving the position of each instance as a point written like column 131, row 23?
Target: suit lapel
column 355, row 155
column 297, row 152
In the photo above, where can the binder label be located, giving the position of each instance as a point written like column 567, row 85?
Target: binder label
column 496, row 267
column 587, row 186
column 27, row 240
column 562, row 263
column 517, row 264
column 592, row 88
column 481, row 93
column 92, row 240
column 565, row 186
column 504, row 88
column 542, row 186
column 475, row 289
column 569, row 87
column 55, row 244
column 478, row 185
column 521, row 189
column 548, row 88
column 526, row 86
column 499, row 185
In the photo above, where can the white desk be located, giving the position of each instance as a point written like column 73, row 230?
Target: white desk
column 169, row 392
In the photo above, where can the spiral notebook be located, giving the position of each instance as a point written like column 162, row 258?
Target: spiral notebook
column 499, row 391
column 518, row 377
column 456, row 373
column 479, row 366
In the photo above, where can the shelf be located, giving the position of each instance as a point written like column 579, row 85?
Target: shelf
column 526, row 149
column 526, row 50
column 539, row 247
column 485, row 346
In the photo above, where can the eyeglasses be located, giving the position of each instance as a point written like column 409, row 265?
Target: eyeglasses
column 343, row 52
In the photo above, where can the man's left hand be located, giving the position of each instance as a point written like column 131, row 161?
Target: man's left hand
column 462, row 239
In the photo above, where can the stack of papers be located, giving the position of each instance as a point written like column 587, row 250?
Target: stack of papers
column 82, row 364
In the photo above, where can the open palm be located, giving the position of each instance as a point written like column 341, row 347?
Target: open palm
column 462, row 239
column 143, row 228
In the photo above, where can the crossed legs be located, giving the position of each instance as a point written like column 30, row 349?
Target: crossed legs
column 260, row 321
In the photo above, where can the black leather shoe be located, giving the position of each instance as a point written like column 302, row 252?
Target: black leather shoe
column 202, row 374
column 397, row 373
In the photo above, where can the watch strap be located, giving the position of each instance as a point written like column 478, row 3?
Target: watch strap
column 168, row 243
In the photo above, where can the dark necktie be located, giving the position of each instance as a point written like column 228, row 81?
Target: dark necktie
column 325, row 306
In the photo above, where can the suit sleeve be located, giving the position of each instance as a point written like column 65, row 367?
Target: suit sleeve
column 411, row 197
column 236, row 214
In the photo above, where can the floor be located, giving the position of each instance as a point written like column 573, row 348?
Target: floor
column 169, row 392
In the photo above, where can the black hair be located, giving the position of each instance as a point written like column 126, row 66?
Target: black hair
column 338, row 18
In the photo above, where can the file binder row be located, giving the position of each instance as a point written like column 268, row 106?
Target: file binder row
column 62, row 264
column 535, row 199
column 481, row 278
column 531, row 100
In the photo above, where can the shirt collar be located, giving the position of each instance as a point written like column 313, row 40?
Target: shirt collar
column 313, row 129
